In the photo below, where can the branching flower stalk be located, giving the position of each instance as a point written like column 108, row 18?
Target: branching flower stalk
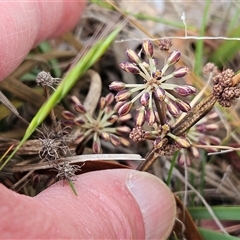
column 155, row 93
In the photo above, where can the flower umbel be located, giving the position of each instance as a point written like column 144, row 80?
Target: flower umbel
column 104, row 126
column 154, row 87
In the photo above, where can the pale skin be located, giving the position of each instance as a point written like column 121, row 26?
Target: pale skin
column 111, row 204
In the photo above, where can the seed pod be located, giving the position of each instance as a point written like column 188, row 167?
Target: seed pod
column 132, row 56
column 150, row 116
column 148, row 48
column 79, row 121
column 157, row 74
column 105, row 136
column 115, row 140
column 129, row 67
column 123, row 129
column 68, row 115
column 123, row 95
column 140, row 117
column 144, row 99
column 173, row 57
column 125, row 109
column 117, row 86
column 183, row 106
column 182, row 142
column 159, row 93
column 80, row 108
column 180, row 72
column 173, row 109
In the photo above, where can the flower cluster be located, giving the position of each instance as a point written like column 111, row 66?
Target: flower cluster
column 101, row 127
column 224, row 90
column 154, row 87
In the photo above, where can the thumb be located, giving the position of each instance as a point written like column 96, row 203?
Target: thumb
column 111, row 204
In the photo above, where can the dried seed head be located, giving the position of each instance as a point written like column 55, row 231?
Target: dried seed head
column 173, row 57
column 148, row 48
column 165, row 44
column 137, row 134
column 117, row 86
column 132, row 56
column 180, row 72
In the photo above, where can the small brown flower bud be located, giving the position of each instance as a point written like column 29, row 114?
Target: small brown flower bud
column 79, row 121
column 182, row 142
column 214, row 140
column 125, row 109
column 172, row 108
column 125, row 117
column 173, row 57
column 109, row 99
column 68, row 115
column 144, row 99
column 206, row 127
column 96, row 147
column 132, row 56
column 117, row 86
column 79, row 138
column 75, row 100
column 159, row 93
column 80, row 108
column 157, row 74
column 183, row 106
column 102, row 103
column 148, row 48
column 129, row 67
column 105, row 136
column 180, row 72
column 140, row 117
column 125, row 142
column 184, row 90
column 150, row 116
column 158, row 143
column 113, row 119
column 115, row 140
column 123, row 95
column 123, row 129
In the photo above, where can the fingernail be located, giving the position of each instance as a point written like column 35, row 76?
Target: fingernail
column 156, row 203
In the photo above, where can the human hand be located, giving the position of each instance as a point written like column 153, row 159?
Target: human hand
column 111, row 203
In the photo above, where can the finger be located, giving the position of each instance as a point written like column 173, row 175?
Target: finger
column 123, row 204
column 24, row 24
